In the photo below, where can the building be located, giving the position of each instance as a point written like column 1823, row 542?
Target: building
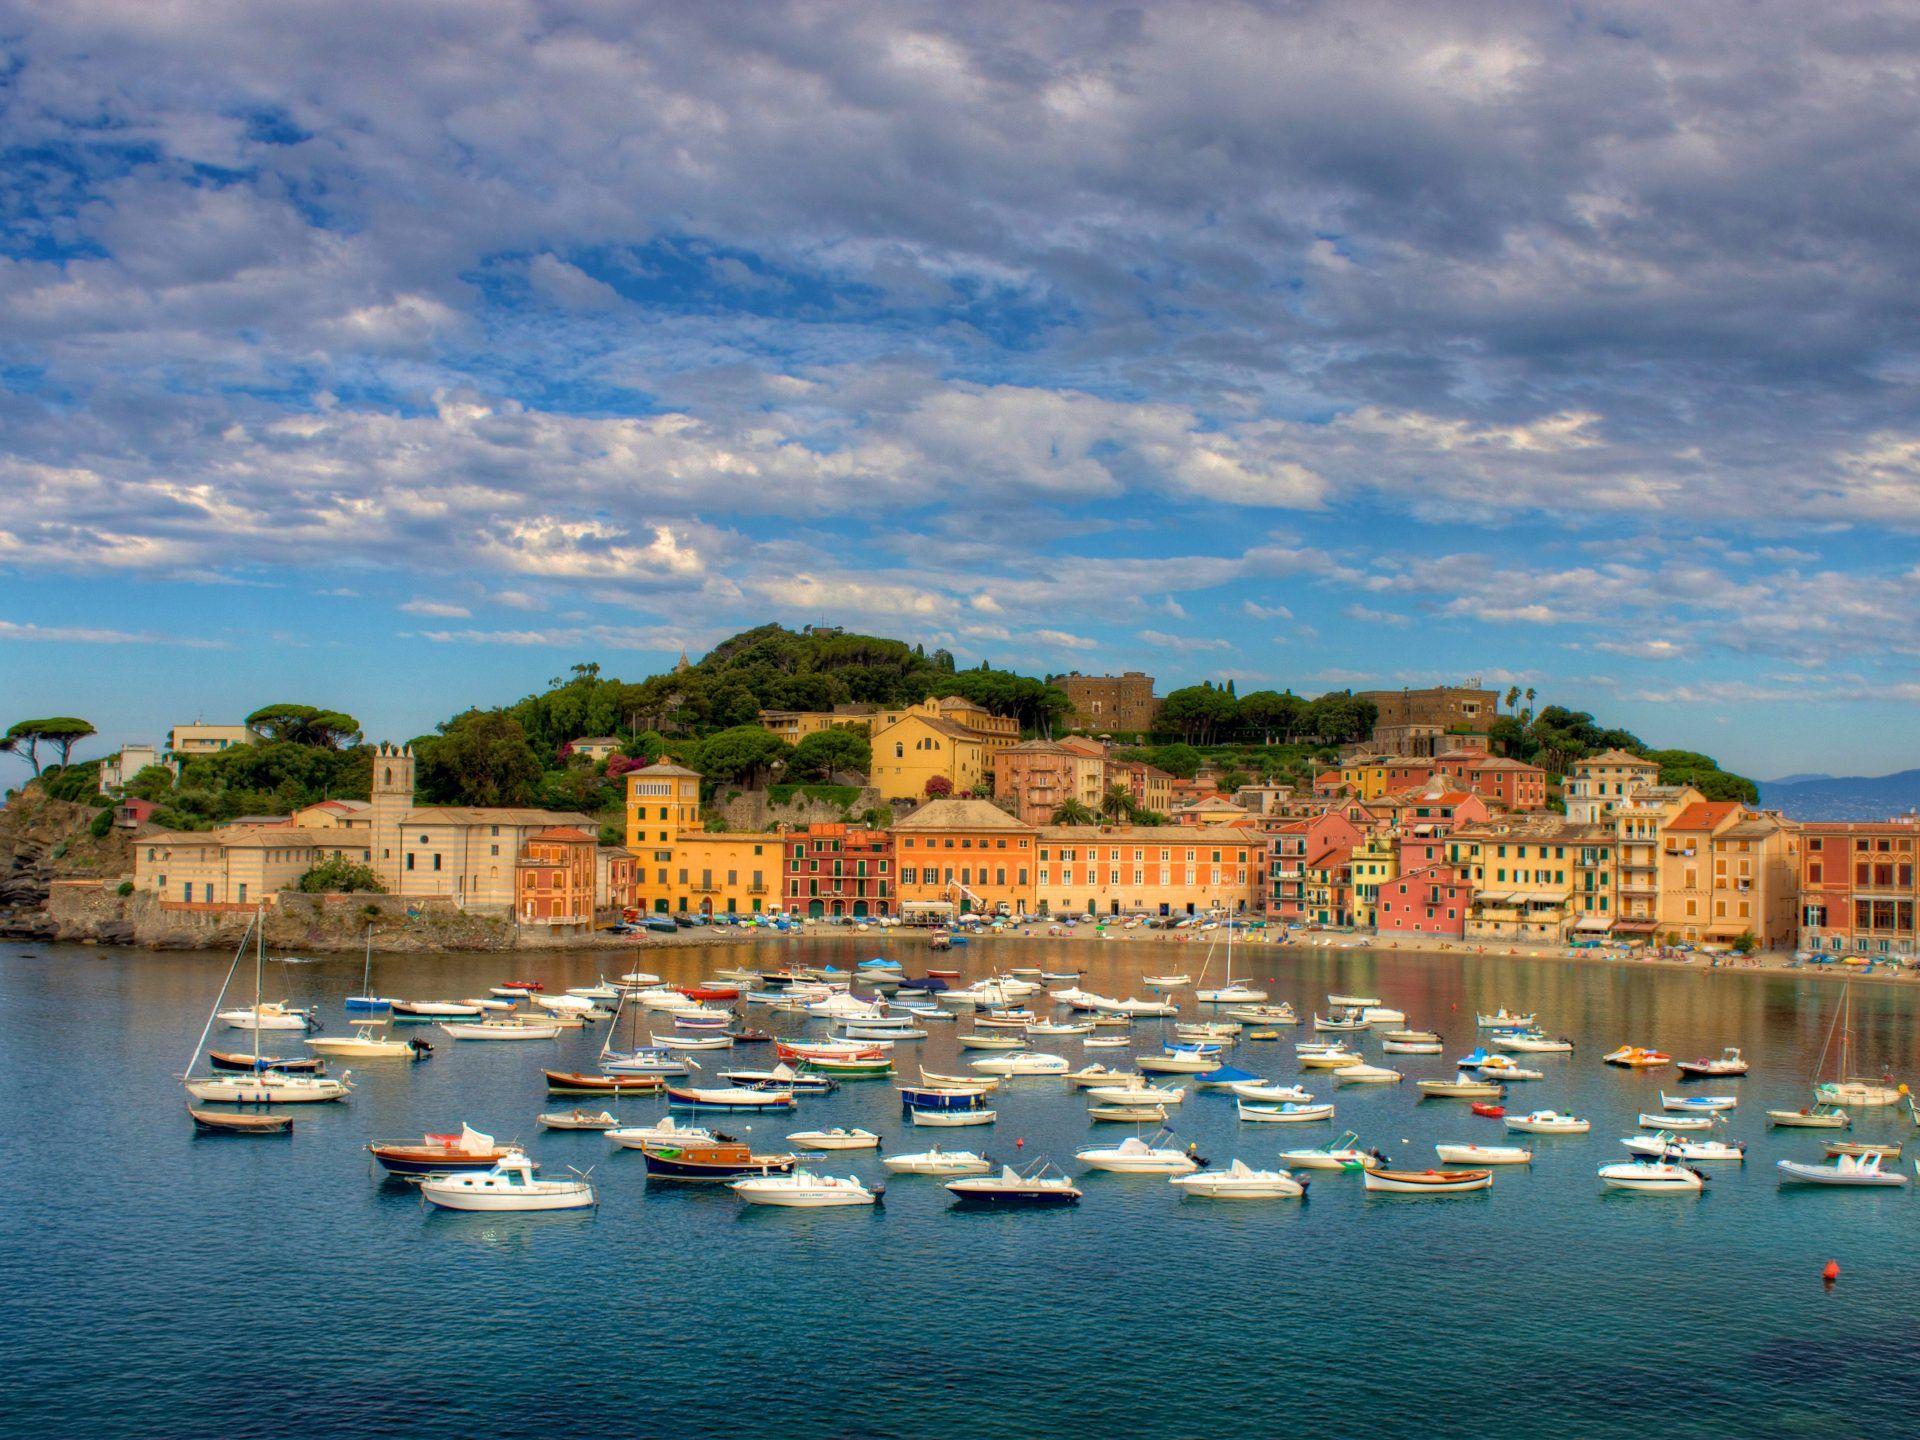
column 1416, row 722
column 839, row 870
column 1146, row 870
column 1151, row 787
column 949, row 738
column 1434, row 809
column 1510, row 784
column 117, row 770
column 1600, row 784
column 237, row 866
column 132, row 814
column 613, row 870
column 1727, row 872
column 1858, row 892
column 594, row 747
column 1327, row 887
column 681, row 869
column 1373, row 864
column 1290, row 846
column 793, row 726
column 1212, row 809
column 1106, row 703
column 1263, row 799
column 554, row 881
column 957, row 855
column 185, row 742
column 1429, row 900
column 1039, row 777
column 334, row 815
column 1522, row 870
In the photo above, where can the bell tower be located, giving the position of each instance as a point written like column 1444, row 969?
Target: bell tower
column 393, row 773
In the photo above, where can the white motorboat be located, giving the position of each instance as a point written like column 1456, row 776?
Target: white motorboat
column 1210, row 1032
column 1411, row 1037
column 1334, row 1057
column 1819, row 1117
column 1133, row 1006
column 1548, row 1122
column 1665, row 1145
column 722, row 1041
column 665, row 1131
column 1101, row 1075
column 1340, row 1022
column 1366, row 1075
column 985, row 1084
column 1165, row 982
column 1531, row 1043
column 434, row 1010
column 1134, row 1156
column 1462, row 1087
column 837, row 1138
column 1505, row 1019
column 579, row 1120
column 489, row 1004
column 600, row 991
column 1290, row 1113
column 1057, row 1027
column 884, row 1032
column 1239, row 1181
column 1382, row 1015
column 1138, row 1096
column 1698, row 1104
column 1106, row 1042
column 501, row 1030
column 1352, row 1002
column 268, row 1087
column 1410, row 1047
column 1656, row 1177
column 642, row 978
column 1506, row 1070
column 1346, row 1153
column 1128, row 1114
column 1023, row 1063
column 1178, row 1062
column 1860, row 1170
column 272, row 1015
column 950, row 1119
column 1663, row 1121
column 366, row 1043
column 991, row 1042
column 509, row 1185
column 1039, row 1185
column 1483, row 1154
column 803, row 1190
column 1266, row 1092
column 939, row 1162
column 1281, row 1014
column 1729, row 1064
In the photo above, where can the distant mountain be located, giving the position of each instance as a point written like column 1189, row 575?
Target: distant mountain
column 1843, row 797
column 1796, row 779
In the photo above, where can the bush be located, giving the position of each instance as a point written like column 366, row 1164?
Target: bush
column 125, row 889
column 340, row 876
column 101, row 825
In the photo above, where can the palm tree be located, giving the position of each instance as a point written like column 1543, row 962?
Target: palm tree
column 1074, row 812
column 1118, row 803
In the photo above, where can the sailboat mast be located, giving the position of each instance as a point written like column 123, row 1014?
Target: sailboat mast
column 259, row 978
column 207, row 1029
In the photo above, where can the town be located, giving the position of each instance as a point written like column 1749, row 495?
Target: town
column 1417, row 831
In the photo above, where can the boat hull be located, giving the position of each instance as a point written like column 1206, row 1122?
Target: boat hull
column 1426, row 1182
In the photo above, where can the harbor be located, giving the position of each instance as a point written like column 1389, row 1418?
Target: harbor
column 663, row 1299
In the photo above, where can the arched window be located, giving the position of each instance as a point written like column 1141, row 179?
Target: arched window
column 899, row 751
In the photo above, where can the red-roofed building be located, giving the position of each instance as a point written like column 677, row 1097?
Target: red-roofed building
column 1327, row 886
column 1727, row 871
column 839, row 870
column 1510, row 783
column 1289, row 848
column 1430, row 900
column 553, row 879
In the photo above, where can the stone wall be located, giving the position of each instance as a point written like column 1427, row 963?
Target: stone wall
column 754, row 810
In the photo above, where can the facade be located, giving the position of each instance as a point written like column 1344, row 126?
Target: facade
column 1429, row 900
column 959, row 855
column 335, row 815
column 117, row 770
column 1146, row 870
column 235, row 865
column 1421, row 722
column 1039, row 777
column 1109, row 702
column 1326, row 880
column 793, row 726
column 1510, row 784
column 184, row 742
column 1600, row 784
column 1727, row 871
column 132, row 814
column 947, row 737
column 1213, row 809
column 1858, row 887
column 594, row 747
column 720, row 873
column 1638, row 821
column 1374, row 864
column 613, row 879
column 1289, row 847
column 1522, row 869
column 1263, row 799
column 1152, row 787
column 554, row 881
column 838, row 870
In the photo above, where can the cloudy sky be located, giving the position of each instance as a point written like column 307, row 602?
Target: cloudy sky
column 397, row 355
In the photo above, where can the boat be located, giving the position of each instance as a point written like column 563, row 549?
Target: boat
column 1410, row 1047
column 1281, row 1014
column 803, row 1190
column 1165, row 982
column 1040, row 1184
column 600, row 991
column 1334, row 1057
column 1382, row 1015
column 270, row 1015
column 579, row 1120
column 1339, row 1022
column 572, row 1082
column 1346, row 1153
column 1137, row 1096
column 1135, row 1156
column 1225, row 1077
column 1665, row 1145
column 938, row 1097
column 734, row 1097
column 1483, row 1154
column 664, row 1131
column 1411, row 1037
column 501, row 1030
column 367, row 1043
column 888, row 1032
column 1548, row 1122
column 489, row 1004
column 1239, row 1181
column 1698, row 1104
column 508, row 1185
column 939, row 1162
column 579, row 1008
column 522, row 988
column 1637, row 1057
column 1234, row 992
column 464, row 1149
column 1266, row 1092
column 1366, row 1075
column 1886, row 1150
column 1853, row 1090
column 366, row 999
column 850, row 1067
column 647, row 1062
column 991, row 1042
column 1666, row 1121
column 292, row 1065
column 721, row 1158
column 1352, row 1002
column 838, row 1138
column 952, row 1119
column 1462, row 1087
column 985, row 1084
column 1729, row 1064
column 1505, row 1019
column 1426, row 1182
column 1818, row 1117
column 1532, row 1042
column 1023, row 1063
column 267, row 1088
column 1290, row 1113
column 1178, row 1062
column 241, row 1122
column 434, row 1010
column 1488, row 1110
column 1857, row 1170
column 1655, row 1177
column 1506, row 1070
column 1128, row 1114
column 691, row 1042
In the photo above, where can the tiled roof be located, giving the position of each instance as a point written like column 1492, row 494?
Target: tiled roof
column 560, row 832
column 961, row 814
column 490, row 815
column 1704, row 815
column 665, row 767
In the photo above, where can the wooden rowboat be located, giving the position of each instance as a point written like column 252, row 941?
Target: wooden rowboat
column 572, row 1082
column 1427, row 1182
column 239, row 1124
column 234, row 1060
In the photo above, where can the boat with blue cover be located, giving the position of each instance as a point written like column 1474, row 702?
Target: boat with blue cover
column 939, row 1097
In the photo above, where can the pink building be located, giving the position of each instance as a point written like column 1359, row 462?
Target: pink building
column 1431, row 901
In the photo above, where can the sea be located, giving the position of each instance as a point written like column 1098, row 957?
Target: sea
column 160, row 1282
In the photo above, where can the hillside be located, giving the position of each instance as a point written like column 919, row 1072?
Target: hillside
column 1844, row 797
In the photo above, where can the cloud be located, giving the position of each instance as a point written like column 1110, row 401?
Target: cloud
column 1265, row 612
column 1368, row 616
column 90, row 635
column 1184, row 643
column 436, row 607
column 1643, row 649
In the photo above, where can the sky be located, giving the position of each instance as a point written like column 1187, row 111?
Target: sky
column 397, row 356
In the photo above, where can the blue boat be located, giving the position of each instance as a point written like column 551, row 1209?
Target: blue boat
column 938, row 1097
column 932, row 984
column 1223, row 1077
column 1475, row 1060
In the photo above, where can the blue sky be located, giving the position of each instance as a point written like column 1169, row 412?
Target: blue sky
column 398, row 357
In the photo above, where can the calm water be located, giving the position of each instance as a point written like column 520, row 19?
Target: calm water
column 161, row 1283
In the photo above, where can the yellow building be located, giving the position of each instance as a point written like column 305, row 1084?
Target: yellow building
column 997, row 731
column 1595, row 882
column 335, row 815
column 236, row 865
column 1212, row 810
column 185, row 742
column 1638, row 821
column 1522, row 870
column 793, row 726
column 1727, row 871
column 1375, row 862
column 957, row 855
column 1600, row 784
column 1366, row 776
column 679, row 868
column 919, row 745
column 1147, row 870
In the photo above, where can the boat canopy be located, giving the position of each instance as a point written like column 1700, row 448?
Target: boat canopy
column 1227, row 1075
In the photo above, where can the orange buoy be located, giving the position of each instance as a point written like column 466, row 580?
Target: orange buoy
column 1020, row 1144
column 1831, row 1273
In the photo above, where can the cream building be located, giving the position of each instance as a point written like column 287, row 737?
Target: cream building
column 1727, row 871
column 1600, row 784
column 237, row 865
column 1523, row 870
column 1638, row 822
column 117, row 770
column 185, row 742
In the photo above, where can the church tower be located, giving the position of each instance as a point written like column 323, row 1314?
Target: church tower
column 393, row 767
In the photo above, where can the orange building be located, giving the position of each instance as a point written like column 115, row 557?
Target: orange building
column 1859, row 889
column 553, row 879
column 1039, row 777
column 958, row 855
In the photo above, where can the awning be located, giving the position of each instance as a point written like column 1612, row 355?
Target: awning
column 1640, row 926
column 1593, row 922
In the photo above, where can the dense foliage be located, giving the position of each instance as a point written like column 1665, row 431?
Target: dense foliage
column 339, row 876
column 1207, row 714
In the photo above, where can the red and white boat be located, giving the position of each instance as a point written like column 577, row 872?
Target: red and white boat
column 1426, row 1182
column 1730, row 1063
column 831, row 1049
column 709, row 992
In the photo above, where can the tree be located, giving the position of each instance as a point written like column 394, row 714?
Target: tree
column 154, row 782
column 827, row 753
column 1745, row 943
column 743, row 754
column 306, row 725
column 340, row 876
column 1340, row 717
column 1198, row 713
column 1117, row 803
column 938, row 786
column 1272, row 713
column 480, row 758
column 62, row 732
column 1074, row 812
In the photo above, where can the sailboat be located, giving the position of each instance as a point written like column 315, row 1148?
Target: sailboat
column 261, row 1086
column 1853, row 1089
column 366, row 999
column 1233, row 992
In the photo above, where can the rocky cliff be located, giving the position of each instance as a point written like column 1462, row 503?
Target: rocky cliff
column 43, row 840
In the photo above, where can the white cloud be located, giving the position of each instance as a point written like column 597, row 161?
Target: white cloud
column 92, row 635
column 1185, row 643
column 1369, row 616
column 436, row 607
